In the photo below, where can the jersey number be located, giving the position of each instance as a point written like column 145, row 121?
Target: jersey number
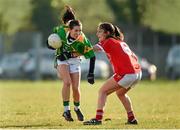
column 127, row 50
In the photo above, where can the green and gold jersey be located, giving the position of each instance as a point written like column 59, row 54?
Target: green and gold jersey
column 81, row 45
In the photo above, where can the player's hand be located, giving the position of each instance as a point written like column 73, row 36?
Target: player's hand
column 65, row 56
column 90, row 78
column 48, row 46
column 76, row 54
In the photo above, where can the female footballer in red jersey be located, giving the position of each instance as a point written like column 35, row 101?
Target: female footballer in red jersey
column 127, row 71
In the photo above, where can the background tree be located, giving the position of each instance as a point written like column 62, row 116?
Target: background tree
column 14, row 15
column 44, row 16
column 158, row 15
column 161, row 15
column 90, row 12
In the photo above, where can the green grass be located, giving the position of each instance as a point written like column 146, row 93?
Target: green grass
column 39, row 105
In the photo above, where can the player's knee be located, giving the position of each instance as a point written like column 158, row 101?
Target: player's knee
column 101, row 91
column 76, row 89
column 120, row 94
column 67, row 83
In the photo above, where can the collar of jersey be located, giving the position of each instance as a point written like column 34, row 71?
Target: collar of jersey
column 69, row 43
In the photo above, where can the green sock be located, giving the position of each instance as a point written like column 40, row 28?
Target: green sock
column 66, row 105
column 76, row 105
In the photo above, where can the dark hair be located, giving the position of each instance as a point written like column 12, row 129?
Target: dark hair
column 107, row 27
column 113, row 30
column 68, row 15
column 73, row 23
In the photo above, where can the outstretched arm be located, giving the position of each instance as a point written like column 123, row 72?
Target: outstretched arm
column 97, row 48
column 90, row 76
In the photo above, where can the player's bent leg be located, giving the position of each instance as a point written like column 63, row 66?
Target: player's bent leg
column 63, row 71
column 126, row 82
column 75, row 78
column 126, row 101
column 108, row 87
column 76, row 94
column 124, row 98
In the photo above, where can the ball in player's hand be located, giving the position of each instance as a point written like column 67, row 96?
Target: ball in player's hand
column 54, row 41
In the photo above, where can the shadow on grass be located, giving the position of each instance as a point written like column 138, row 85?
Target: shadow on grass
column 30, row 126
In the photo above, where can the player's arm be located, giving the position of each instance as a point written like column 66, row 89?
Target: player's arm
column 90, row 76
column 76, row 54
column 91, row 55
column 97, row 48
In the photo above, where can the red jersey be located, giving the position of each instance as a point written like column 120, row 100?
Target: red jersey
column 124, row 61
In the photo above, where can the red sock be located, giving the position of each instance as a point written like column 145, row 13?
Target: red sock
column 130, row 116
column 99, row 114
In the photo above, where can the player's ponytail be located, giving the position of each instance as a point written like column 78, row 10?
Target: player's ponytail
column 118, row 34
column 68, row 15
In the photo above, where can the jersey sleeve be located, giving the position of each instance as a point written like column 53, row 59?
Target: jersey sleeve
column 60, row 30
column 89, row 54
column 55, row 29
column 88, row 49
column 84, row 47
column 87, row 42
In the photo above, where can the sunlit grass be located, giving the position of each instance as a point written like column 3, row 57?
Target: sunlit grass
column 39, row 105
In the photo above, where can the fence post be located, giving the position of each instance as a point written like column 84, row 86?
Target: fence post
column 139, row 42
column 155, row 47
column 37, row 41
column 1, row 46
column 174, row 39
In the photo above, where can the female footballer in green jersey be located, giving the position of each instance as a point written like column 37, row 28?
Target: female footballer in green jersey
column 74, row 44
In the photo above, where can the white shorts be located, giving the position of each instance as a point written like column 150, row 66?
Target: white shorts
column 73, row 63
column 128, row 80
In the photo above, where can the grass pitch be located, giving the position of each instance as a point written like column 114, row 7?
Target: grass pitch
column 26, row 104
